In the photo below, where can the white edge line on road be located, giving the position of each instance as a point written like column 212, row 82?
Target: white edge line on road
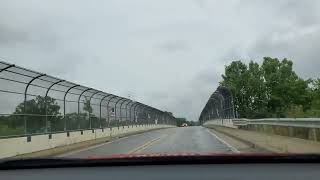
column 224, row 142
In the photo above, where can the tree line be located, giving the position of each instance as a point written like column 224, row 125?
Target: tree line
column 271, row 89
column 43, row 114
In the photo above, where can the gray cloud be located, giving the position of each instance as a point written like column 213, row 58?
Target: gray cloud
column 169, row 54
column 11, row 36
column 300, row 50
column 174, row 46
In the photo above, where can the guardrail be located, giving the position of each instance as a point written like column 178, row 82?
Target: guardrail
column 292, row 122
column 306, row 128
column 221, row 122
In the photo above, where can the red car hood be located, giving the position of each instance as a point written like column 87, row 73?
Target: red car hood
column 184, row 154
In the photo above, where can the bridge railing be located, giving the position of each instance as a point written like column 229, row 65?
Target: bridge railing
column 220, row 111
column 305, row 128
column 293, row 122
column 220, row 105
column 36, row 103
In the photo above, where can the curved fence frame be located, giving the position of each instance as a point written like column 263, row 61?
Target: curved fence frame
column 118, row 110
column 219, row 106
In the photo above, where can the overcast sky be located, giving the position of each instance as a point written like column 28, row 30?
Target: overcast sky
column 169, row 54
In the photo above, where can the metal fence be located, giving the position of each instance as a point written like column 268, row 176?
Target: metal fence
column 219, row 106
column 36, row 103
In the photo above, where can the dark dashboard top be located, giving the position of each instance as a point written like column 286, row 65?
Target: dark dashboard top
column 174, row 166
column 167, row 172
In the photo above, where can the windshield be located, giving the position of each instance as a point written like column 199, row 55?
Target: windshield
column 91, row 79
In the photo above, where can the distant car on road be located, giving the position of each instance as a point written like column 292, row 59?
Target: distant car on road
column 184, row 125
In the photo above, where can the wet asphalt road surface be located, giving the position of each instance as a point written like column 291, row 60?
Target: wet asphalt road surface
column 172, row 140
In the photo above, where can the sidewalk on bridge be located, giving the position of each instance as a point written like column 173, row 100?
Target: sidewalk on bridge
column 239, row 144
column 262, row 142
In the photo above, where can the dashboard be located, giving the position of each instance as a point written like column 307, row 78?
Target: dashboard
column 186, row 172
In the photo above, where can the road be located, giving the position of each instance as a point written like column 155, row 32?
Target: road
column 172, row 140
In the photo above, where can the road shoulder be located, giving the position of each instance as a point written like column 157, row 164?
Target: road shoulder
column 263, row 142
column 239, row 144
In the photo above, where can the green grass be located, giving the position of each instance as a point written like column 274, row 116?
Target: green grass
column 6, row 131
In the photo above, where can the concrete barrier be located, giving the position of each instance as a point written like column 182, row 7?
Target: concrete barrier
column 11, row 147
column 221, row 122
column 259, row 142
column 304, row 128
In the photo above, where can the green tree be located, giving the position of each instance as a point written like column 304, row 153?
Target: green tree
column 35, row 112
column 87, row 106
column 236, row 78
column 40, row 105
column 315, row 96
column 284, row 88
column 316, row 93
column 180, row 121
column 92, row 118
column 256, row 89
column 271, row 89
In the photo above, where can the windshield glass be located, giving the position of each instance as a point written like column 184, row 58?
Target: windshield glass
column 83, row 79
